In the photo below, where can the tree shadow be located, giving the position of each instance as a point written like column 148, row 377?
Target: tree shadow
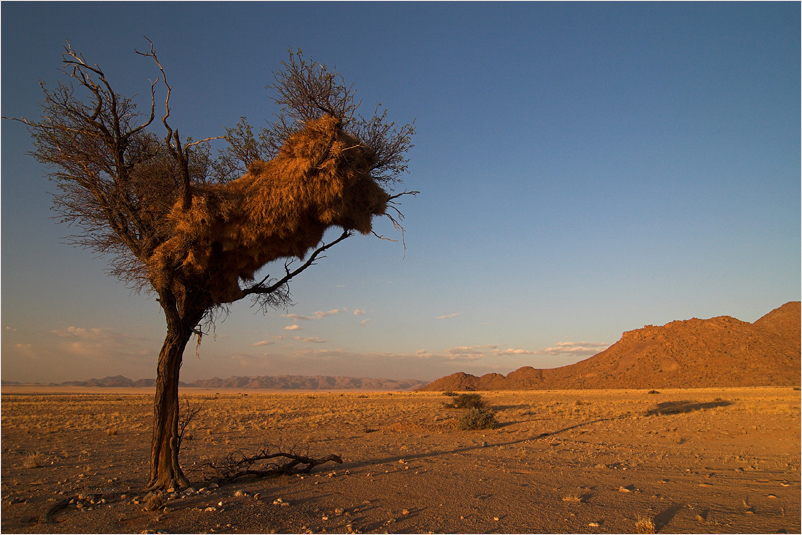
column 510, row 407
column 681, row 407
column 414, row 456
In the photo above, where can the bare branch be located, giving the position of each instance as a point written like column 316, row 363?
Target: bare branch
column 261, row 289
column 173, row 140
column 192, row 144
column 237, row 465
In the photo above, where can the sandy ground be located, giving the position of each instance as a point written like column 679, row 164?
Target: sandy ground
column 707, row 460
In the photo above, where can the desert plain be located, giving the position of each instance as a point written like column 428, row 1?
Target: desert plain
column 713, row 460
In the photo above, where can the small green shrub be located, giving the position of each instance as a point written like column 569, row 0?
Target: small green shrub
column 478, row 418
column 467, row 401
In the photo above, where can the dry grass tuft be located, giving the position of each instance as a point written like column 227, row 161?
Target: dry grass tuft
column 33, row 460
column 644, row 524
column 573, row 498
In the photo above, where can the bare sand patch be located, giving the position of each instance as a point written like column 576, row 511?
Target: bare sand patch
column 695, row 460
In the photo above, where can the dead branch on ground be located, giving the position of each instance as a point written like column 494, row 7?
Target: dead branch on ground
column 265, row 463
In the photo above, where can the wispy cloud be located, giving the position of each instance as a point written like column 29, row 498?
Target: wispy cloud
column 293, row 328
column 469, row 352
column 98, row 342
column 511, row 351
column 448, row 316
column 359, row 311
column 263, row 343
column 311, row 339
column 575, row 348
column 562, row 348
column 491, row 351
column 316, row 316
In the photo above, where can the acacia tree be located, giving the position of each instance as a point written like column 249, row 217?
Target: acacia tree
column 194, row 227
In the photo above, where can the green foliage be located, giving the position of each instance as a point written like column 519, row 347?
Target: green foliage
column 477, row 418
column 467, row 401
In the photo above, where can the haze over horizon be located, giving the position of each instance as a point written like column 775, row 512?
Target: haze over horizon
column 585, row 169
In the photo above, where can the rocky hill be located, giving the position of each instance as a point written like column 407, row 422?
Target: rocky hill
column 721, row 351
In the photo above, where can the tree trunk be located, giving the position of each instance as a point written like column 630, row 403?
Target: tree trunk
column 165, row 472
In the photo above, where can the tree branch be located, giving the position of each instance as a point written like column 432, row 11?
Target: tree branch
column 260, row 288
column 172, row 140
column 237, row 465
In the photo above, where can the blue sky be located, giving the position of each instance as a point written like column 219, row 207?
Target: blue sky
column 585, row 169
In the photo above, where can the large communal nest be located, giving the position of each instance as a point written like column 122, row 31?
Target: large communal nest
column 278, row 209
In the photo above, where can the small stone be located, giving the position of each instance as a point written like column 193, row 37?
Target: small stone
column 484, row 444
column 405, row 511
column 213, row 485
column 593, row 525
column 210, row 509
column 240, row 494
column 257, row 496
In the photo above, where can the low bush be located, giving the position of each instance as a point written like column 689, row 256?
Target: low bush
column 478, row 418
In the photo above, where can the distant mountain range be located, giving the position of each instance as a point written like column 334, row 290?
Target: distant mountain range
column 717, row 352
column 281, row 382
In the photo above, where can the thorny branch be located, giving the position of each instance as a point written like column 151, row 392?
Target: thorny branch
column 236, row 465
column 396, row 220
column 187, row 415
column 262, row 289
column 172, row 140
